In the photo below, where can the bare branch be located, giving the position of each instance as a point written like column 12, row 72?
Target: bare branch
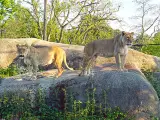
column 146, row 9
column 152, row 23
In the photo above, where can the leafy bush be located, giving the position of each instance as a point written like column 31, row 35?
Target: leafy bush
column 10, row 71
column 19, row 106
column 156, row 83
column 153, row 49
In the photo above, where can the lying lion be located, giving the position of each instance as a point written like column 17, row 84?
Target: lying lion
column 42, row 56
column 117, row 47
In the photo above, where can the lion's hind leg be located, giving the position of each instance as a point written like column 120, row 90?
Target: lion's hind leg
column 58, row 64
column 88, row 63
column 84, row 66
column 91, row 64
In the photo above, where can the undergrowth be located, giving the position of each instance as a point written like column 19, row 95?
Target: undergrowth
column 7, row 72
column 154, row 81
column 26, row 107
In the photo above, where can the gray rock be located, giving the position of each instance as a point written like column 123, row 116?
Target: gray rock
column 157, row 61
column 130, row 91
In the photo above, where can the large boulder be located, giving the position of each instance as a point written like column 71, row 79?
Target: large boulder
column 74, row 54
column 130, row 91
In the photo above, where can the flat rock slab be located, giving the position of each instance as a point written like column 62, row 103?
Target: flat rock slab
column 45, row 80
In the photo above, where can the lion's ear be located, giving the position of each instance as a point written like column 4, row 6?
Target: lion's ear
column 123, row 33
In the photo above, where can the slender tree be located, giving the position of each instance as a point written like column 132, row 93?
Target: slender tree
column 146, row 18
column 45, row 21
column 36, row 12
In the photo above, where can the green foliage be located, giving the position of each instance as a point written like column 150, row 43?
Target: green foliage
column 19, row 106
column 22, row 25
column 153, row 49
column 154, row 81
column 7, row 9
column 157, row 38
column 13, row 105
column 53, row 30
column 10, row 71
column 90, row 28
column 93, row 28
column 27, row 23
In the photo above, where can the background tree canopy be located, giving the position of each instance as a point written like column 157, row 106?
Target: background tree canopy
column 153, row 49
column 75, row 21
column 72, row 21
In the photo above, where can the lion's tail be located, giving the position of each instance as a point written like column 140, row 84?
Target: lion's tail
column 65, row 62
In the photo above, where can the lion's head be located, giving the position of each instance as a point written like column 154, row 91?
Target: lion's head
column 22, row 50
column 126, row 38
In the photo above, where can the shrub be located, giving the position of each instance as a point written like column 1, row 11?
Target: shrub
column 10, row 71
column 155, row 83
column 152, row 50
column 19, row 106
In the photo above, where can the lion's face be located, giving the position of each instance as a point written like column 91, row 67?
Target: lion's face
column 22, row 50
column 127, row 38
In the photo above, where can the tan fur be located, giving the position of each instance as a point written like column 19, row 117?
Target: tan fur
column 117, row 47
column 42, row 56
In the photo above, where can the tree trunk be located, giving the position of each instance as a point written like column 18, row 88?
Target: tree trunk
column 45, row 22
column 61, row 35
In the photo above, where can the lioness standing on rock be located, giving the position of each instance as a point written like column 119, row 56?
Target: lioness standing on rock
column 42, row 56
column 117, row 47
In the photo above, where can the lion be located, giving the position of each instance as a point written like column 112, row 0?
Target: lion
column 116, row 47
column 33, row 57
